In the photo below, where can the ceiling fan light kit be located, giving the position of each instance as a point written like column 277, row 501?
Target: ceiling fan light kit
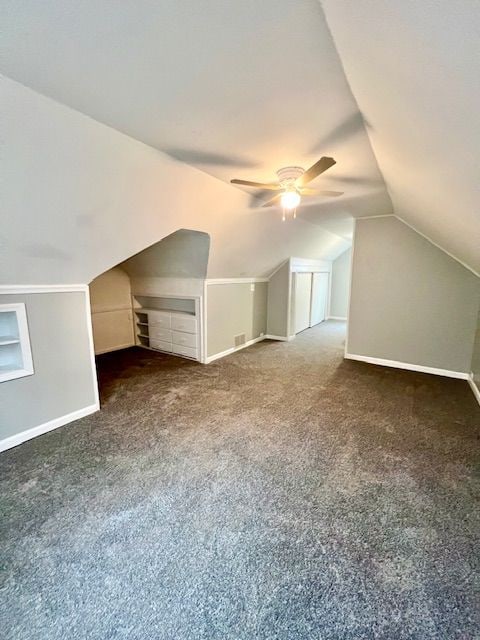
column 291, row 181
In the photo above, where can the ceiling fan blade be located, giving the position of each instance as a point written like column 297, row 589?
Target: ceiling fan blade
column 273, row 201
column 321, row 192
column 274, row 186
column 315, row 170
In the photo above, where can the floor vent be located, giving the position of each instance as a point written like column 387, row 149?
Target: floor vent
column 240, row 339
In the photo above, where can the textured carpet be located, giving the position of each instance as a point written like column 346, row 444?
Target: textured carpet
column 280, row 493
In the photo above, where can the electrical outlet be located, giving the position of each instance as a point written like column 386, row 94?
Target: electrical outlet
column 252, row 287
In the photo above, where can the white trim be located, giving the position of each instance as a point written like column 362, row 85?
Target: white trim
column 22, row 289
column 204, row 331
column 227, row 352
column 217, row 356
column 18, row 438
column 410, row 367
column 435, row 244
column 344, row 319
column 328, row 305
column 289, row 298
column 211, row 281
column 439, row 247
column 310, row 265
column 41, row 288
column 182, row 296
column 270, row 336
column 91, row 345
column 473, row 386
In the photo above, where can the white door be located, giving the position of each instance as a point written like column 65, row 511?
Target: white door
column 301, row 300
column 318, row 311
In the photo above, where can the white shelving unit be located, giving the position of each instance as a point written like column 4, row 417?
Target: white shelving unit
column 171, row 324
column 15, row 352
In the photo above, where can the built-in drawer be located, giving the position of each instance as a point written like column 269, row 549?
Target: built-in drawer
column 159, row 344
column 157, row 332
column 181, row 322
column 184, row 339
column 160, row 318
column 184, row 351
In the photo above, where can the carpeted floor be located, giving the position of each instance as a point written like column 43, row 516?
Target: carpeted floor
column 280, row 493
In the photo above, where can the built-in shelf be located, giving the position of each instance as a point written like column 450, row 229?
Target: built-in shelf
column 15, row 352
column 146, row 310
column 168, row 324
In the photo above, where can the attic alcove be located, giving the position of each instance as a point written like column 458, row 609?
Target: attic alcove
column 153, row 299
column 161, row 299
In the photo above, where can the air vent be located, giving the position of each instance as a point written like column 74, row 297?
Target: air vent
column 240, row 339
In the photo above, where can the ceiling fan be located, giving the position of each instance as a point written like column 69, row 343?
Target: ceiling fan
column 291, row 182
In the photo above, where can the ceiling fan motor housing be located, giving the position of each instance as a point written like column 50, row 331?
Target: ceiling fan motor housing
column 288, row 175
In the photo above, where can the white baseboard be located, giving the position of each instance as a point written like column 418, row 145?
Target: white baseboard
column 337, row 318
column 270, row 336
column 410, row 367
column 475, row 389
column 18, row 438
column 227, row 352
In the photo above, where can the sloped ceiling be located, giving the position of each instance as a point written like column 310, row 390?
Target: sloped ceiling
column 414, row 68
column 79, row 197
column 237, row 89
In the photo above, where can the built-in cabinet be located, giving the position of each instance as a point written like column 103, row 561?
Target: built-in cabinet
column 169, row 324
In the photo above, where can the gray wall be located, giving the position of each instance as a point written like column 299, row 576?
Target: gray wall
column 341, row 268
column 410, row 302
column 475, row 366
column 183, row 254
column 233, row 309
column 63, row 380
column 279, row 302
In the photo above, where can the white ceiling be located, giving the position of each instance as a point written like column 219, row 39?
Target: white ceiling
column 79, row 197
column 237, row 89
column 414, row 68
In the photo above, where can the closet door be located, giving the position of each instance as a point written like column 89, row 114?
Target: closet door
column 319, row 298
column 301, row 300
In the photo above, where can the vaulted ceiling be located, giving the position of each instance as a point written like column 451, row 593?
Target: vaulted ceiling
column 414, row 68
column 240, row 89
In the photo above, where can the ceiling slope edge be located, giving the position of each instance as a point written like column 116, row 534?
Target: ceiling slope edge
column 119, row 131
column 409, row 224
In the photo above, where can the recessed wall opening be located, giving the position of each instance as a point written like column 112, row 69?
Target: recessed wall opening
column 151, row 301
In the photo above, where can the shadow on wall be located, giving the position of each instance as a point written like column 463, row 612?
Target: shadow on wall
column 182, row 254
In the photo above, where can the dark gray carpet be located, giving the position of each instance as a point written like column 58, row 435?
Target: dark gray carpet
column 280, row 493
